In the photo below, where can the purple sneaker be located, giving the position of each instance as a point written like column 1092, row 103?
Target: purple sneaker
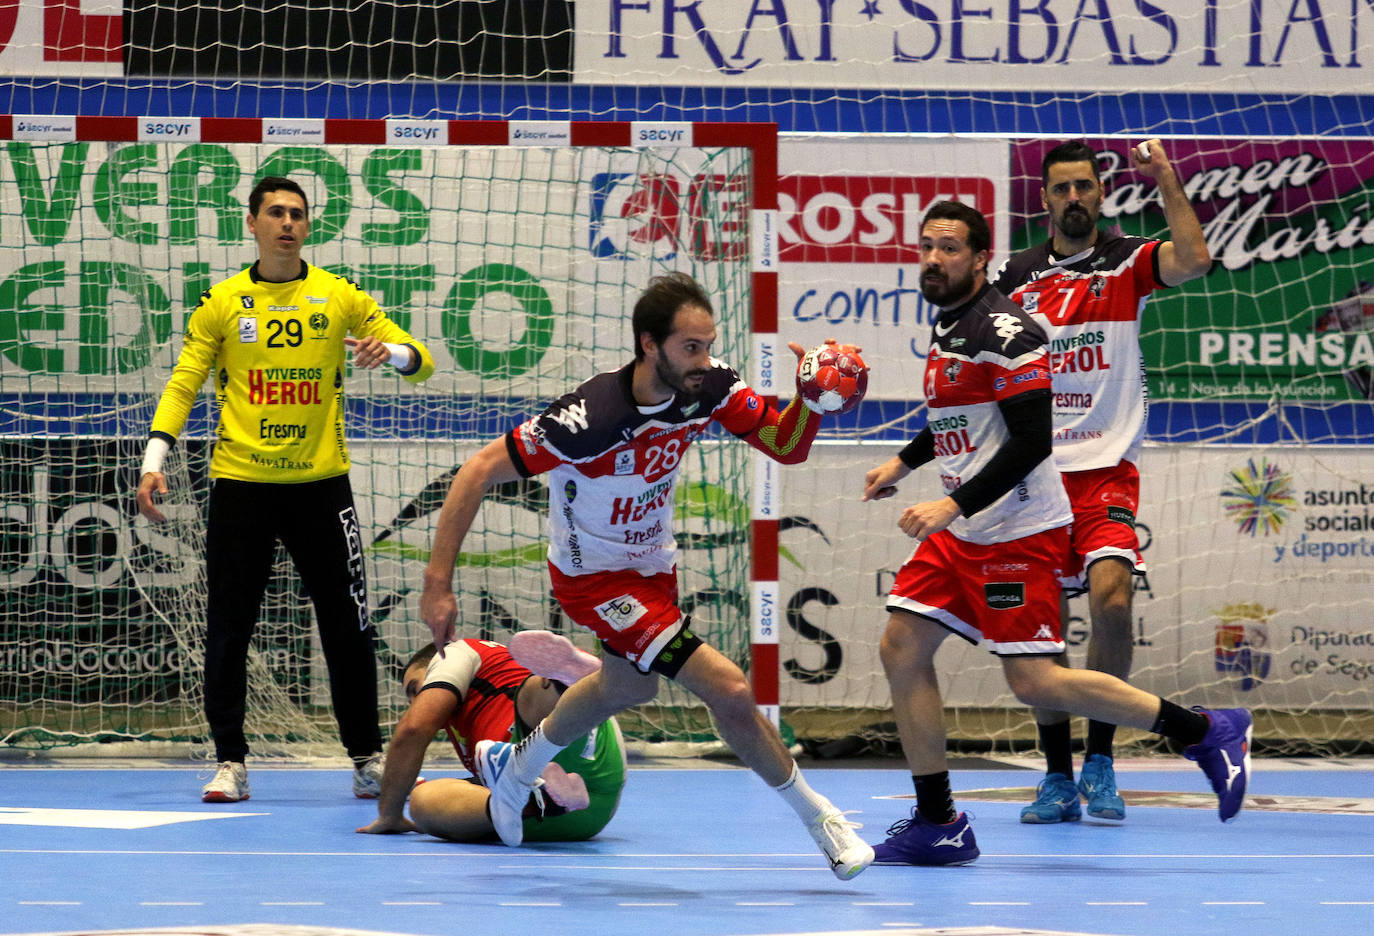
column 1224, row 756
column 915, row 841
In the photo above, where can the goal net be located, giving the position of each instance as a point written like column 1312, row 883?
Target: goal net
column 516, row 264
column 1255, row 515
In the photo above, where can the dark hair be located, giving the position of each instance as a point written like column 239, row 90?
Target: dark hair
column 423, row 655
column 273, row 184
column 658, row 304
column 979, row 234
column 1072, row 151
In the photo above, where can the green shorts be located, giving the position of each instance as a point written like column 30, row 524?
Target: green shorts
column 600, row 759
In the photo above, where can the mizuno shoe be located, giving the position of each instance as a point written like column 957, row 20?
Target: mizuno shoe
column 1056, row 800
column 915, row 841
column 1224, row 756
column 495, row 771
column 1097, row 783
column 847, row 853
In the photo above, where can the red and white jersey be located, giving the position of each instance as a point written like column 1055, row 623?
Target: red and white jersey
column 982, row 353
column 486, row 679
column 614, row 464
column 1090, row 305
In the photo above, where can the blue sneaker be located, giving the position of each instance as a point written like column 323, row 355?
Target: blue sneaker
column 1224, row 756
column 916, row 841
column 1097, row 783
column 509, row 796
column 1056, row 800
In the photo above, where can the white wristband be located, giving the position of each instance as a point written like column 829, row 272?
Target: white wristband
column 401, row 356
column 153, row 455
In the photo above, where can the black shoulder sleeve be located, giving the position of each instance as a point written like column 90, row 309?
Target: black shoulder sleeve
column 1030, row 425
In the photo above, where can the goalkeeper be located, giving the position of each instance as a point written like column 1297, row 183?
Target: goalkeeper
column 1087, row 289
column 275, row 336
column 477, row 691
column 613, row 447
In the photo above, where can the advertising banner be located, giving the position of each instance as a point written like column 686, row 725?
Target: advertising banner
column 849, row 216
column 1165, row 45
column 62, row 37
column 1288, row 308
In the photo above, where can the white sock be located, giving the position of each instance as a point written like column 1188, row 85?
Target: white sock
column 806, row 802
column 533, row 754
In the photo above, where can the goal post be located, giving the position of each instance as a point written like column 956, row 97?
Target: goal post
column 514, row 249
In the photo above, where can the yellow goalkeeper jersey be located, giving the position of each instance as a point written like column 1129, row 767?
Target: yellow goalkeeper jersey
column 278, row 356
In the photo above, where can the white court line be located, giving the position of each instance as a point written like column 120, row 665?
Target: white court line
column 1233, row 903
column 48, row 903
column 171, row 903
column 884, row 903
column 999, row 903
column 1347, row 903
column 291, row 903
column 1115, row 903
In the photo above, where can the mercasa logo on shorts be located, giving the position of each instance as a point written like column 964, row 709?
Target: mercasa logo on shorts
column 621, row 612
column 274, row 386
column 1003, row 596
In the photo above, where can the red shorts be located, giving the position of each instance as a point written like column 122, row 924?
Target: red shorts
column 633, row 615
column 1104, row 504
column 1005, row 593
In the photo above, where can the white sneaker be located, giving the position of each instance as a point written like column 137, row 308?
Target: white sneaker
column 496, row 771
column 552, row 656
column 229, row 785
column 367, row 777
column 848, row 854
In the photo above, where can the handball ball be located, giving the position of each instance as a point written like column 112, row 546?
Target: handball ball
column 832, row 378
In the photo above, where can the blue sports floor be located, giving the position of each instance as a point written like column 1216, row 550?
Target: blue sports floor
column 692, row 851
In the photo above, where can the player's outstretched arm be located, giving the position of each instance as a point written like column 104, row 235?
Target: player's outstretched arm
column 786, row 437
column 1185, row 255
column 438, row 606
column 405, row 755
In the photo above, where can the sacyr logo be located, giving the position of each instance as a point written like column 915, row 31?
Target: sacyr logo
column 1259, row 497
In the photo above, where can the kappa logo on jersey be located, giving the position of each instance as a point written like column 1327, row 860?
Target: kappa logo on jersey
column 572, row 417
column 621, row 612
column 1007, row 326
column 625, row 462
column 248, row 329
column 1003, row 596
column 531, row 436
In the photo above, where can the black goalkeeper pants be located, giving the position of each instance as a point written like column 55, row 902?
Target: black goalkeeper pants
column 318, row 525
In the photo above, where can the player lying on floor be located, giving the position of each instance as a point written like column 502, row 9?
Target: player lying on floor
column 477, row 691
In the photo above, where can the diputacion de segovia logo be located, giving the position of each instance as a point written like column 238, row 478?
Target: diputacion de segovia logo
column 1259, row 497
column 1242, row 643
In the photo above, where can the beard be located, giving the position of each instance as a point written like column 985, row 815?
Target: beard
column 940, row 290
column 1076, row 222
column 677, row 380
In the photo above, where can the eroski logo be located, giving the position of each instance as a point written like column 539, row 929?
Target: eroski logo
column 866, row 219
